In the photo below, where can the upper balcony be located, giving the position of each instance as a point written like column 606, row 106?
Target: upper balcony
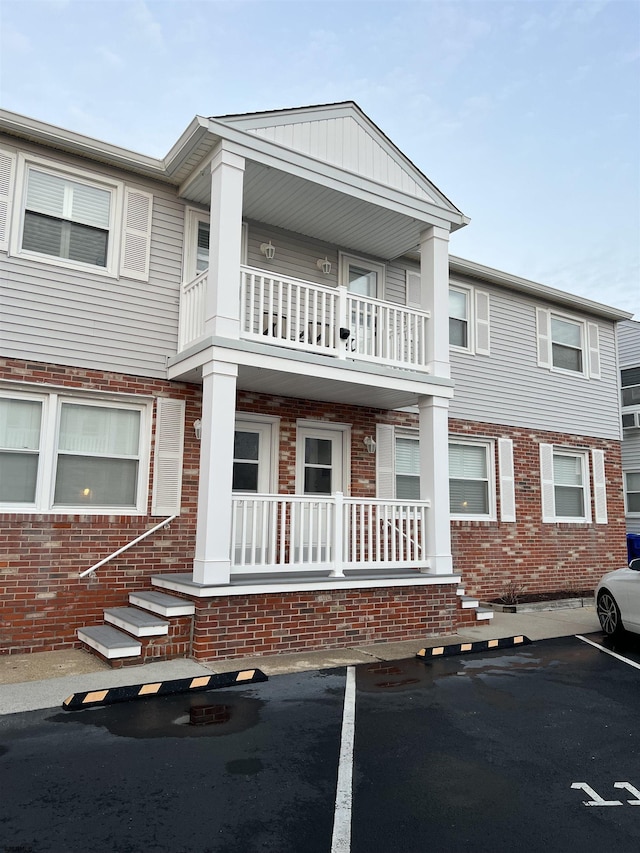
column 291, row 313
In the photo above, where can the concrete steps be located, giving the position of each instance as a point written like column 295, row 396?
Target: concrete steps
column 156, row 626
column 469, row 610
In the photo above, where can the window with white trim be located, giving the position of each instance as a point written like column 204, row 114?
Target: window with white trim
column 566, row 494
column 73, row 454
column 362, row 276
column 471, row 480
column 632, row 492
column 469, row 320
column 567, row 344
column 630, row 382
column 70, row 217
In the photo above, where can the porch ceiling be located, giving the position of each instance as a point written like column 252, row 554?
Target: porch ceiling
column 291, row 202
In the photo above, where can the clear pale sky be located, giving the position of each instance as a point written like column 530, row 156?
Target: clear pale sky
column 525, row 114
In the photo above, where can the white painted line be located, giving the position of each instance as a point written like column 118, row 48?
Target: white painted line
column 608, row 652
column 596, row 799
column 632, row 789
column 341, row 839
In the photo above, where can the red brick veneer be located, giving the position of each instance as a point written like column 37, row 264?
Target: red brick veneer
column 237, row 626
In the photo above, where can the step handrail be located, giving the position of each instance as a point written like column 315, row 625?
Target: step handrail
column 127, row 546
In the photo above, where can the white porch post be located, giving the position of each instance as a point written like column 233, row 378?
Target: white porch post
column 222, row 307
column 434, row 287
column 434, row 480
column 212, row 563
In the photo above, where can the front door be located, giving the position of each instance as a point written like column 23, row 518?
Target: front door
column 321, row 471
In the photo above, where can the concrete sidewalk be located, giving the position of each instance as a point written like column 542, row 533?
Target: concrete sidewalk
column 45, row 679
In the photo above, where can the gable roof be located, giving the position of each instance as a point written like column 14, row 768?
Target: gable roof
column 341, row 135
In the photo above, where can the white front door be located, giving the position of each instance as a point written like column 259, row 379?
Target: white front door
column 322, row 470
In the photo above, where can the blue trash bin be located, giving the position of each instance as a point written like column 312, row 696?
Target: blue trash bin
column 633, row 546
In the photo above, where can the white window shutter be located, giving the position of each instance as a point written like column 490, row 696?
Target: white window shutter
column 507, row 480
column 599, row 487
column 482, row 323
column 385, row 462
column 543, row 322
column 414, row 289
column 594, row 350
column 7, row 176
column 167, row 469
column 547, row 491
column 136, row 234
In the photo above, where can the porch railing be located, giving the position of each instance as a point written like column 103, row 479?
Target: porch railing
column 301, row 315
column 277, row 533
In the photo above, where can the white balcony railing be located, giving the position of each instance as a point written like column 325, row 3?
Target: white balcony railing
column 297, row 314
column 278, row 533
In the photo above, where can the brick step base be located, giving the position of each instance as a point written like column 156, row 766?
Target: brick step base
column 469, row 611
column 156, row 627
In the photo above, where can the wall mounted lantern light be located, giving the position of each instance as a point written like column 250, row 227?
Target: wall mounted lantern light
column 370, row 444
column 324, row 264
column 268, row 250
column 197, row 428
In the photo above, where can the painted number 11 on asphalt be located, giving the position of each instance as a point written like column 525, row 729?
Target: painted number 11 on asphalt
column 597, row 800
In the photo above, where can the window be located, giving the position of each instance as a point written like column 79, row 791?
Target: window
column 632, row 492
column 66, row 218
column 469, row 320
column 362, row 277
column 565, row 484
column 73, row 218
column 61, row 453
column 471, row 479
column 568, row 345
column 630, row 381
column 407, row 468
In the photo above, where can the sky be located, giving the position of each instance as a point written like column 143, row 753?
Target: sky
column 525, row 114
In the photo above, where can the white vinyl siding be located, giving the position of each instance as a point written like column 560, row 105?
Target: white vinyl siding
column 77, row 316
column 73, row 454
column 564, row 475
column 508, row 386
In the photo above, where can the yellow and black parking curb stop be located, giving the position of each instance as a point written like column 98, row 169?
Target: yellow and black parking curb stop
column 111, row 695
column 470, row 648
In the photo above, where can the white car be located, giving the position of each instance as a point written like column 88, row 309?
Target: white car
column 618, row 600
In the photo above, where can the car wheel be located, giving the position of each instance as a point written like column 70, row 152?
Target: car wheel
column 609, row 614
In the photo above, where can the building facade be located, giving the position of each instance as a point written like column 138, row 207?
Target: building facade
column 257, row 361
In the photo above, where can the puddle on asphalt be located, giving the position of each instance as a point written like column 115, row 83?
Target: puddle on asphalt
column 170, row 716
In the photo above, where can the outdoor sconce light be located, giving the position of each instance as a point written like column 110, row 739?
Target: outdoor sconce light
column 268, row 250
column 324, row 264
column 197, row 428
column 344, row 334
column 370, row 444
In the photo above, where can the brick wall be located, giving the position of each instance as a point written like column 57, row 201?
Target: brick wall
column 529, row 555
column 237, row 626
column 42, row 599
column 43, row 602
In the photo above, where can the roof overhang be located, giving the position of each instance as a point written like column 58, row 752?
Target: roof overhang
column 470, row 269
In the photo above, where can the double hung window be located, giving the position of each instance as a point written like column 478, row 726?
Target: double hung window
column 59, row 453
column 471, row 480
column 469, row 321
column 66, row 218
column 632, row 492
column 567, row 344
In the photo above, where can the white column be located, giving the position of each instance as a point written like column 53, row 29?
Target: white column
column 212, row 563
column 434, row 287
column 222, row 307
column 434, row 480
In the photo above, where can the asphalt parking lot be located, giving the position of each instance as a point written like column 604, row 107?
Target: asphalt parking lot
column 533, row 748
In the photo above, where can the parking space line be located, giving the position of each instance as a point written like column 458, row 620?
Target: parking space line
column 608, row 651
column 341, row 839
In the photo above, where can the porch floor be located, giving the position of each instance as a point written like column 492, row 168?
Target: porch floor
column 288, row 582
